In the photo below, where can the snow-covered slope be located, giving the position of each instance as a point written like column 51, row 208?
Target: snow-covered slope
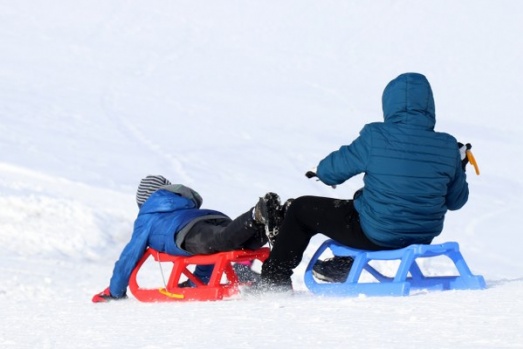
column 236, row 99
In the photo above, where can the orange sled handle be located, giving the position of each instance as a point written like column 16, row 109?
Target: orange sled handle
column 472, row 161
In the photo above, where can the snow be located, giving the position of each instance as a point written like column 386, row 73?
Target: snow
column 236, row 99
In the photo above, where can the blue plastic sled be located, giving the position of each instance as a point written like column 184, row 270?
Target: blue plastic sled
column 408, row 276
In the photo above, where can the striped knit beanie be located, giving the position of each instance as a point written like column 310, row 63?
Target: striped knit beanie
column 149, row 185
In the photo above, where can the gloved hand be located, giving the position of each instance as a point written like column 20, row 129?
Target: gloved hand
column 312, row 173
column 463, row 153
column 105, row 296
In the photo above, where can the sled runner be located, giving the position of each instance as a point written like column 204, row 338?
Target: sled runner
column 223, row 282
column 408, row 276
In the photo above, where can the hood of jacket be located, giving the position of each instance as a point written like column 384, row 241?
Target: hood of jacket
column 166, row 201
column 408, row 100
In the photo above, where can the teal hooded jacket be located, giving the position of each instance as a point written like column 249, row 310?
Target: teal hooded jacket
column 412, row 174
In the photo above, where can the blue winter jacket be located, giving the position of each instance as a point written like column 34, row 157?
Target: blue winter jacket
column 159, row 220
column 413, row 174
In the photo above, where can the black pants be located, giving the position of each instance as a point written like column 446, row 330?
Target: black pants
column 306, row 217
column 219, row 235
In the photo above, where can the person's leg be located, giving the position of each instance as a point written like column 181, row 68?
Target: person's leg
column 307, row 216
column 243, row 232
column 219, row 235
column 211, row 236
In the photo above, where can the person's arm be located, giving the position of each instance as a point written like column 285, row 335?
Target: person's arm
column 124, row 266
column 458, row 189
column 346, row 162
column 129, row 257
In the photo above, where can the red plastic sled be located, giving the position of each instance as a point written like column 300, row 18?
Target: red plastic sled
column 222, row 284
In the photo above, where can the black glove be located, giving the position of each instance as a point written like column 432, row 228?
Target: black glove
column 310, row 174
column 105, row 296
column 463, row 153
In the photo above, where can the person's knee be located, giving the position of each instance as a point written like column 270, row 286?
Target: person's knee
column 299, row 206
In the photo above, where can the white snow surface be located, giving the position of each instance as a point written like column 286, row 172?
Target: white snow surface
column 235, row 99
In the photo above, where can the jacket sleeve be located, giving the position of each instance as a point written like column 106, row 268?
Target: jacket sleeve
column 129, row 257
column 458, row 188
column 346, row 162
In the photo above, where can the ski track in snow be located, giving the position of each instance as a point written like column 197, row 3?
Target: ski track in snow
column 133, row 133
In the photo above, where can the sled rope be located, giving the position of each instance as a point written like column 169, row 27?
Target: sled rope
column 164, row 289
column 161, row 269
